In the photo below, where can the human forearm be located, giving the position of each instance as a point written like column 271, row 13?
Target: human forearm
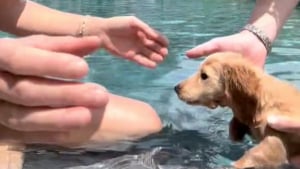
column 126, row 36
column 270, row 15
column 27, row 17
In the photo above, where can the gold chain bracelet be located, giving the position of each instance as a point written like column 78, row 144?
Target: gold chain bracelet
column 82, row 28
column 261, row 36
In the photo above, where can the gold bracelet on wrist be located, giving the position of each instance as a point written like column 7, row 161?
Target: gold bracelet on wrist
column 260, row 35
column 82, row 27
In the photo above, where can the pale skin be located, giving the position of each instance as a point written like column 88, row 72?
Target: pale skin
column 269, row 16
column 36, row 109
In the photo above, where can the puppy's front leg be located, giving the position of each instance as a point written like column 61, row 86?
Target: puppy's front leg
column 237, row 130
column 270, row 152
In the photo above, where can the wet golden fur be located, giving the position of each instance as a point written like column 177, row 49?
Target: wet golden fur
column 228, row 79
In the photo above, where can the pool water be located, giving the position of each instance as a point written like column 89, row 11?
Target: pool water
column 193, row 137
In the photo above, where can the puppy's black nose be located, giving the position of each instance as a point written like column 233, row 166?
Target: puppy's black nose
column 177, row 88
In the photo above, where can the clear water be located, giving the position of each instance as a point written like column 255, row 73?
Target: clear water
column 193, row 137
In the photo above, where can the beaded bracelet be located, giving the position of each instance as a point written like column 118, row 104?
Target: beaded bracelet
column 260, row 35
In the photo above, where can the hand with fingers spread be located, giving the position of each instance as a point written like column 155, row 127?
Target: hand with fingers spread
column 32, row 102
column 132, row 39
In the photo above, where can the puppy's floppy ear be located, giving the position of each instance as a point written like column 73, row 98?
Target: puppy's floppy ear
column 240, row 79
column 243, row 85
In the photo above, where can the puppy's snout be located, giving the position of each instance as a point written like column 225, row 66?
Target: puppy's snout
column 177, row 88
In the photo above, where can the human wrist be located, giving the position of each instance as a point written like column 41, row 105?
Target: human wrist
column 268, row 26
column 265, row 16
column 260, row 35
column 252, row 43
column 90, row 25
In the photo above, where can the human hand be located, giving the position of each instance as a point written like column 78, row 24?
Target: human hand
column 132, row 39
column 244, row 42
column 286, row 124
column 30, row 102
column 283, row 123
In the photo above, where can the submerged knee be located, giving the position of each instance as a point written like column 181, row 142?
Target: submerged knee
column 126, row 118
column 152, row 122
column 142, row 121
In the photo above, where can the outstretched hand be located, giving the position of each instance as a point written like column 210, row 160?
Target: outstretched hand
column 132, row 39
column 244, row 42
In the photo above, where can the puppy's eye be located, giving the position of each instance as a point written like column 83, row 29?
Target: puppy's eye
column 204, row 76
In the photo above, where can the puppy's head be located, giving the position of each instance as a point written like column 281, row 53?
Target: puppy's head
column 221, row 78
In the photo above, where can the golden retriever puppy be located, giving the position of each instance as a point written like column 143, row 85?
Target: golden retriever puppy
column 228, row 79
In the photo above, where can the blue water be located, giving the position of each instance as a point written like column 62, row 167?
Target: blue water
column 193, row 137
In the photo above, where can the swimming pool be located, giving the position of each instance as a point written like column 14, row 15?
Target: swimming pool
column 193, row 137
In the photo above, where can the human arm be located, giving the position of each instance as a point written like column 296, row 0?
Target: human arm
column 268, row 15
column 22, row 18
column 127, row 37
